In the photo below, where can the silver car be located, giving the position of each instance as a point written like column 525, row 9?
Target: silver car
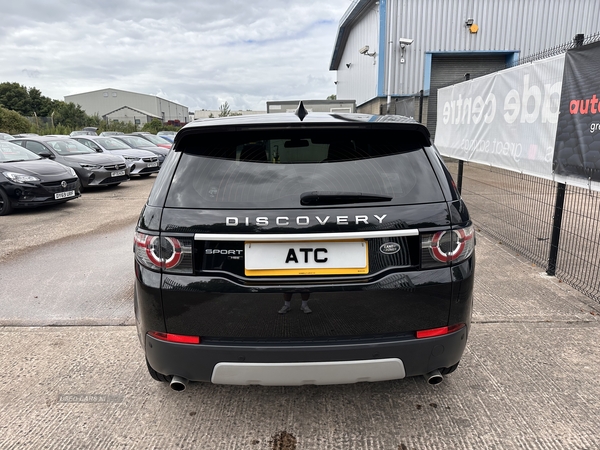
column 142, row 144
column 139, row 162
column 93, row 169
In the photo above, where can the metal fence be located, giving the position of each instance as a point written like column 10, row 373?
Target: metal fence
column 520, row 211
column 554, row 225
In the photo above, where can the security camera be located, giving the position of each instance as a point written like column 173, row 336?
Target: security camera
column 364, row 50
column 405, row 41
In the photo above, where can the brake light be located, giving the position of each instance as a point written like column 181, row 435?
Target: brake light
column 448, row 246
column 433, row 332
column 163, row 252
column 177, row 338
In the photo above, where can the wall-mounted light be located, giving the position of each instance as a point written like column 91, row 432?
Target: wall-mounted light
column 471, row 25
column 365, row 51
column 403, row 43
column 348, row 65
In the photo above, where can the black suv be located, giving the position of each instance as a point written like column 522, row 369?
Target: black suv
column 289, row 249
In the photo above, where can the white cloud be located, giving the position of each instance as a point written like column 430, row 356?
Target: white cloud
column 199, row 55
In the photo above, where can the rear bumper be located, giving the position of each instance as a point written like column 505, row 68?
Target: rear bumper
column 292, row 364
column 371, row 327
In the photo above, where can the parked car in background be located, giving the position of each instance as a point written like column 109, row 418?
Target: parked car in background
column 6, row 137
column 139, row 162
column 28, row 181
column 111, row 133
column 156, row 140
column 92, row 168
column 22, row 135
column 143, row 144
column 83, row 133
column 167, row 137
column 303, row 249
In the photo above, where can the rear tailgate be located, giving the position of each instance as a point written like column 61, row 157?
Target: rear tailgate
column 390, row 296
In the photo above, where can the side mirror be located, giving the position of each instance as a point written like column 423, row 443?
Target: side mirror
column 46, row 155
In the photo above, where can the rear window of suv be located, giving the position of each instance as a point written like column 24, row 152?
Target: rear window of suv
column 275, row 168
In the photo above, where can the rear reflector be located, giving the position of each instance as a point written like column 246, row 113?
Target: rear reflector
column 433, row 332
column 179, row 338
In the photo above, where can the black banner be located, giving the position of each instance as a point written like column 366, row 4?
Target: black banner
column 577, row 147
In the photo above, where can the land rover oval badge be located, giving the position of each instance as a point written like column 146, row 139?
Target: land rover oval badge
column 389, row 248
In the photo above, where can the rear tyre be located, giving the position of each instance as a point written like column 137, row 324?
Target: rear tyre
column 449, row 370
column 158, row 376
column 5, row 206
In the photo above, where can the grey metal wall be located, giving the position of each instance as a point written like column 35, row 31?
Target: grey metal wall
column 524, row 26
column 357, row 75
column 527, row 26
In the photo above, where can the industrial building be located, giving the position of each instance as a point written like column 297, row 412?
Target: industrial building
column 387, row 51
column 328, row 106
column 124, row 106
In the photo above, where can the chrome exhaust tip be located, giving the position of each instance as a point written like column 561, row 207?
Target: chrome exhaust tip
column 178, row 383
column 434, row 377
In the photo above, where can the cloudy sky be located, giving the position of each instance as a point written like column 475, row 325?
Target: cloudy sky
column 199, row 53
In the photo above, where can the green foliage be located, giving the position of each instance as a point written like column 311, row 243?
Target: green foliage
column 71, row 115
column 27, row 102
column 125, row 127
column 332, row 97
column 59, row 129
column 156, row 125
column 15, row 97
column 12, row 122
column 41, row 105
column 153, row 126
column 224, row 110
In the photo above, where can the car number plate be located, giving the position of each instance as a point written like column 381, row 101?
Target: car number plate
column 152, row 164
column 306, row 258
column 118, row 173
column 65, row 194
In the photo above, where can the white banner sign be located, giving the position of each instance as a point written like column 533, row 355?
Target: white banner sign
column 507, row 119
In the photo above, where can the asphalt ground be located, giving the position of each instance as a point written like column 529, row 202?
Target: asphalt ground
column 528, row 378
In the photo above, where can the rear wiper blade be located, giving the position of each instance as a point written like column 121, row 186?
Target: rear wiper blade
column 340, row 198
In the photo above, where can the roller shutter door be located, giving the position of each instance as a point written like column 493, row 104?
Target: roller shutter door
column 447, row 69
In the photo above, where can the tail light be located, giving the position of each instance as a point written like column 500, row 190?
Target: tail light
column 166, row 253
column 178, row 338
column 446, row 247
column 442, row 331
